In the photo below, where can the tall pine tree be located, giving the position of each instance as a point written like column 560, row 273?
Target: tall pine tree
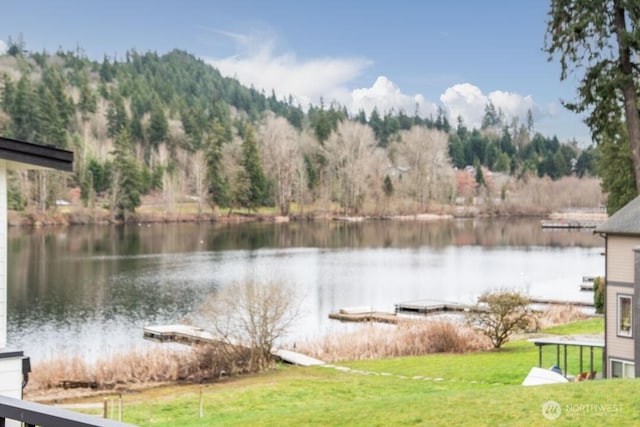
column 255, row 183
column 126, row 178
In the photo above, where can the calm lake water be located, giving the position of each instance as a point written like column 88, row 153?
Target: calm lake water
column 88, row 291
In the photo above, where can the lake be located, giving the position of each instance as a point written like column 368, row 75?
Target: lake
column 89, row 290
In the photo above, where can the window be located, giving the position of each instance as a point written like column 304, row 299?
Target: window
column 624, row 315
column 622, row 369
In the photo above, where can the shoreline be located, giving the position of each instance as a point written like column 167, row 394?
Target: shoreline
column 83, row 216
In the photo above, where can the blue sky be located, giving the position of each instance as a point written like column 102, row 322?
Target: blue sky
column 456, row 54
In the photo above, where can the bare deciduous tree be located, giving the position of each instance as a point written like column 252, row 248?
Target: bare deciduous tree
column 252, row 315
column 348, row 151
column 424, row 153
column 198, row 177
column 281, row 154
column 500, row 313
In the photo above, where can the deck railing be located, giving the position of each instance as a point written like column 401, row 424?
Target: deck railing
column 35, row 414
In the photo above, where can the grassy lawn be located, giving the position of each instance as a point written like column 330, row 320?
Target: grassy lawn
column 443, row 389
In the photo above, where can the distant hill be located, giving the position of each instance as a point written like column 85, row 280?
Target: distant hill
column 173, row 125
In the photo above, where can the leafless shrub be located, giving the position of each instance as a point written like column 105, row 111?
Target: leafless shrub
column 541, row 196
column 251, row 315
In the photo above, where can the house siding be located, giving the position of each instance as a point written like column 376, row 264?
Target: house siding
column 617, row 347
column 620, row 258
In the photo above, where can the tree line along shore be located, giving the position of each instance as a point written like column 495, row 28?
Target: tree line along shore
column 166, row 137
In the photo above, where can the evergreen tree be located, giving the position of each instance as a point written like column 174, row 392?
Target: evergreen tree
column 106, row 70
column 117, row 119
column 53, row 79
column 600, row 39
column 50, row 129
column 376, row 124
column 491, row 116
column 479, row 175
column 158, row 125
column 126, row 178
column 615, row 167
column 218, row 186
column 88, row 102
column 322, row 126
column 252, row 175
column 23, row 111
column 388, row 186
column 456, row 152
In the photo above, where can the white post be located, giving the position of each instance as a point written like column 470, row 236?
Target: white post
column 3, row 255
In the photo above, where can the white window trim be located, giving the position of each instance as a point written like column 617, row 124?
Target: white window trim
column 619, row 331
column 623, row 362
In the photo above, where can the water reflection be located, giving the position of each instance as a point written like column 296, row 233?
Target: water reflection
column 89, row 290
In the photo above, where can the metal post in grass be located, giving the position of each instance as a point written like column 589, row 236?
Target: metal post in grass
column 119, row 406
column 105, row 407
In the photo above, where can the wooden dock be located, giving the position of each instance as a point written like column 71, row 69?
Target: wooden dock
column 572, row 224
column 433, row 307
column 561, row 302
column 587, row 283
column 295, row 358
column 191, row 335
column 370, row 316
column 183, row 334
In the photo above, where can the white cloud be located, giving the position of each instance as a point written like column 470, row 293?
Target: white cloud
column 465, row 100
column 3, row 47
column 468, row 101
column 386, row 96
column 306, row 80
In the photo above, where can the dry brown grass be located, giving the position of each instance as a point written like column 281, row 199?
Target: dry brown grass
column 140, row 367
column 558, row 315
column 408, row 338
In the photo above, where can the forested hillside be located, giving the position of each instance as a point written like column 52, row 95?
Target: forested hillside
column 171, row 126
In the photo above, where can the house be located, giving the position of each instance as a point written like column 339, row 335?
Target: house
column 622, row 299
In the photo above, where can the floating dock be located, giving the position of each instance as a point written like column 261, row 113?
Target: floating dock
column 560, row 302
column 587, row 283
column 183, row 334
column 570, row 224
column 369, row 316
column 191, row 335
column 433, row 307
column 430, row 307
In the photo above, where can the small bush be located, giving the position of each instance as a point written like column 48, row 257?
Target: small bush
column 501, row 313
column 599, row 290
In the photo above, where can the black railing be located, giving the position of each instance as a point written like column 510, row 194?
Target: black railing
column 35, row 414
